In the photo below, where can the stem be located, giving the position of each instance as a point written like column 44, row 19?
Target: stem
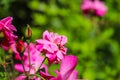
column 28, row 42
column 23, row 67
column 29, row 57
column 42, row 62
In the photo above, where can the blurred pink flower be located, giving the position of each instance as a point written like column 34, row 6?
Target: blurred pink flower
column 98, row 7
column 53, row 46
column 6, row 32
column 35, row 58
column 67, row 71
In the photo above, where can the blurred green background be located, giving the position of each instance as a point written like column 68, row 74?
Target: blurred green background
column 95, row 40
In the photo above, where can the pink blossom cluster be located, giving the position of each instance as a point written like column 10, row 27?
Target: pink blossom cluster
column 7, row 37
column 30, row 56
column 98, row 7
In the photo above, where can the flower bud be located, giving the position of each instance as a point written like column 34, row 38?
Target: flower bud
column 28, row 32
column 20, row 46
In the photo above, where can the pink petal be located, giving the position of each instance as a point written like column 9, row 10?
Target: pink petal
column 45, row 73
column 87, row 5
column 46, row 35
column 7, row 22
column 59, row 55
column 63, row 40
column 74, row 75
column 51, row 57
column 46, row 45
column 19, row 67
column 68, row 65
column 21, row 77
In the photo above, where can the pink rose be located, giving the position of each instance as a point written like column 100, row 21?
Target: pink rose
column 53, row 46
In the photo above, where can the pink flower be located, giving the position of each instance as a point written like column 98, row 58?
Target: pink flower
column 6, row 31
column 99, row 8
column 67, row 71
column 35, row 59
column 53, row 46
column 96, row 6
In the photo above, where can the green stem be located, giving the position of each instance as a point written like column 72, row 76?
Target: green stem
column 23, row 67
column 29, row 57
column 42, row 62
